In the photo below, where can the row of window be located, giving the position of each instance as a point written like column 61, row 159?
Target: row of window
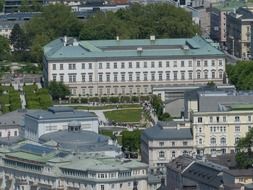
column 173, row 154
column 224, row 119
column 15, row 133
column 138, row 76
column 145, row 64
column 173, row 143
column 213, row 141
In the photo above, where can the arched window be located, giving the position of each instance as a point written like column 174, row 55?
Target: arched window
column 161, row 154
column 223, row 140
column 213, row 140
column 173, row 154
column 200, row 141
column 237, row 140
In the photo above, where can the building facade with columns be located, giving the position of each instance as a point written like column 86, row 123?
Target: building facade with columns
column 113, row 67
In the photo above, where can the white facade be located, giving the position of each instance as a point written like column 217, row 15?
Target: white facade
column 11, row 131
column 134, row 76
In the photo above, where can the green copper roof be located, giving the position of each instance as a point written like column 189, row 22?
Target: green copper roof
column 127, row 49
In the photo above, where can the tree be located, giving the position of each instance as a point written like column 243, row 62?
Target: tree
column 244, row 156
column 25, row 6
column 5, row 49
column 131, row 140
column 1, row 5
column 58, row 90
column 18, row 39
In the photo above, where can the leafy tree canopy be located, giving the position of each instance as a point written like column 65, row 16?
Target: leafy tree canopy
column 241, row 75
column 139, row 21
column 4, row 48
column 18, row 38
column 131, row 140
column 244, row 156
column 58, row 90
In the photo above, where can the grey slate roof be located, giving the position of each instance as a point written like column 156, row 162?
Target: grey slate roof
column 13, row 118
column 158, row 132
column 209, row 101
column 60, row 113
column 81, row 141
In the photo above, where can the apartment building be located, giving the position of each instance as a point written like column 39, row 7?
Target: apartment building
column 219, row 120
column 239, row 24
column 113, row 67
column 33, row 166
column 166, row 141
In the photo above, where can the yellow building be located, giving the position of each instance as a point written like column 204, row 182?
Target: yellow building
column 219, row 120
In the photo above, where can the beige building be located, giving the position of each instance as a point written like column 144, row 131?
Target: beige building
column 219, row 120
column 166, row 141
column 239, row 32
column 238, row 176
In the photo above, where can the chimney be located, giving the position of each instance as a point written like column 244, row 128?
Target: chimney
column 65, row 39
column 152, row 38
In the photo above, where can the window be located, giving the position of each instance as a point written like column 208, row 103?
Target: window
column 115, row 77
column 152, row 64
column 138, row 76
column 213, row 74
column 200, row 141
column 173, row 154
column 249, row 118
column 130, row 65
column 198, row 74
column 185, row 143
column 167, row 64
column 115, row 65
column 213, row 63
column 206, row 74
column 72, row 78
column 205, row 63
column 237, row 128
column 174, row 63
column 152, row 75
column 137, row 64
column 54, row 66
column 167, row 75
column 200, row 129
column 199, row 119
column 61, row 66
column 145, row 64
column 108, row 65
column 160, row 75
column 130, row 75
column 220, row 62
column 211, row 119
column 198, row 63
column 90, row 77
column 190, row 63
column 237, row 140
column 220, row 74
column 223, row 141
column 218, row 119
column 182, row 75
column 145, row 76
column 83, row 65
column 237, row 119
column 61, row 77
column 190, row 75
column 161, row 154
column 54, row 77
column 122, row 65
column 213, row 141
column 15, row 133
column 160, row 64
column 102, row 187
column 175, row 75
column 100, row 66
column 108, row 77
column 161, row 143
column 182, row 63
column 100, row 77
column 90, row 65
column 173, row 143
column 83, row 77
column 122, row 76
column 224, row 119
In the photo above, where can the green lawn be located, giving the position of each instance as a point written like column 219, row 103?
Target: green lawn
column 128, row 115
column 106, row 107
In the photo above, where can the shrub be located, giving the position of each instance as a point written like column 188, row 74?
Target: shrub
column 94, row 99
column 74, row 100
column 114, row 99
column 84, row 100
column 125, row 99
column 144, row 98
column 135, row 99
column 104, row 99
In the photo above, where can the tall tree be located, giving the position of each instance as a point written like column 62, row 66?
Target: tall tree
column 18, row 39
column 5, row 50
column 58, row 90
column 244, row 156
